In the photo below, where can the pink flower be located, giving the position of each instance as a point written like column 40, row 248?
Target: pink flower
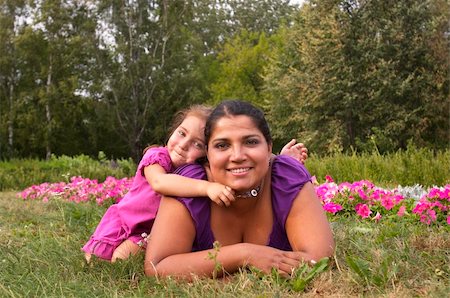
column 332, row 207
column 387, row 202
column 432, row 214
column 362, row 194
column 328, row 178
column 401, row 211
column 448, row 219
column 363, row 210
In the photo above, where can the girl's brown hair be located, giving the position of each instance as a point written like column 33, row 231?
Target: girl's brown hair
column 199, row 111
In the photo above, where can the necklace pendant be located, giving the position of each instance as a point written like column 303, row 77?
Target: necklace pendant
column 254, row 192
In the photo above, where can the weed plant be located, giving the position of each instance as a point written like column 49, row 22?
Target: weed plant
column 40, row 257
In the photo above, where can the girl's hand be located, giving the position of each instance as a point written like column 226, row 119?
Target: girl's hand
column 220, row 194
column 267, row 258
column 295, row 150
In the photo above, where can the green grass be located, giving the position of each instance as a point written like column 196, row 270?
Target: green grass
column 40, row 256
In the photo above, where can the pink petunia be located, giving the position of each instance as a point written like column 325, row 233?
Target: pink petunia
column 332, row 207
column 363, row 210
column 401, row 211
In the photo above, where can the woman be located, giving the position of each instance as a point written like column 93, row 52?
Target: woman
column 276, row 221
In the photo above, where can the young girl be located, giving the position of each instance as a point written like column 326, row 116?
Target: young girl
column 123, row 228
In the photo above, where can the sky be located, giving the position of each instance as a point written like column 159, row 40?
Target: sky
column 296, row 1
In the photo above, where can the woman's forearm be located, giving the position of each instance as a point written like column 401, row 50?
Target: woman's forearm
column 207, row 263
column 227, row 259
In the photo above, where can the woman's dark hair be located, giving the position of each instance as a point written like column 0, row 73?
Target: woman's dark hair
column 229, row 108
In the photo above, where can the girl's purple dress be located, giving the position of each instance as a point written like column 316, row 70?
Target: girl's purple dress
column 134, row 214
column 288, row 178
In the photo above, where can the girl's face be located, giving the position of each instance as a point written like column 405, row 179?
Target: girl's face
column 187, row 143
column 238, row 153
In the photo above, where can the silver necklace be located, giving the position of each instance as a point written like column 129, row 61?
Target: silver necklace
column 253, row 193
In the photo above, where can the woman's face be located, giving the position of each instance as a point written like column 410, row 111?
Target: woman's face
column 238, row 153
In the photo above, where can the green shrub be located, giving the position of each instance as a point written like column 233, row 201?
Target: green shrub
column 17, row 174
column 409, row 167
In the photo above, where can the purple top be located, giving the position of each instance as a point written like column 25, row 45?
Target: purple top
column 288, row 178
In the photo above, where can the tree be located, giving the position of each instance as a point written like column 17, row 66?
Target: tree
column 364, row 73
column 10, row 13
column 242, row 61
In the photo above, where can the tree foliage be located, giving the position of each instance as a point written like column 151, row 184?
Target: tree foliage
column 358, row 74
column 79, row 77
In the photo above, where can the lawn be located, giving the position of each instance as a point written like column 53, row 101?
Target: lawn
column 40, row 256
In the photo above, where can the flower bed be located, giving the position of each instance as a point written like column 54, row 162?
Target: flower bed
column 361, row 197
column 80, row 189
column 371, row 202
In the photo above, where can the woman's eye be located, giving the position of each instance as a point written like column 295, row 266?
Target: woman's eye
column 252, row 141
column 221, row 146
column 181, row 133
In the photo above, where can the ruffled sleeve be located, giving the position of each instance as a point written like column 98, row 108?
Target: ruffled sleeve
column 288, row 178
column 199, row 209
column 156, row 155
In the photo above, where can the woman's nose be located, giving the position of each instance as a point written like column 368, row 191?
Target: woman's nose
column 238, row 153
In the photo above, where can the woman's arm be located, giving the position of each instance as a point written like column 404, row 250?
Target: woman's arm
column 179, row 186
column 307, row 226
column 170, row 243
column 169, row 250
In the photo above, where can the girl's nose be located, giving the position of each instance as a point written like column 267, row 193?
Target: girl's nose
column 183, row 144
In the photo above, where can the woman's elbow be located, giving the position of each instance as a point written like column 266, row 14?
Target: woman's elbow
column 150, row 268
column 324, row 251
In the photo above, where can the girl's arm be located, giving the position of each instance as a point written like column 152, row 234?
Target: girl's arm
column 179, row 186
column 170, row 243
column 307, row 226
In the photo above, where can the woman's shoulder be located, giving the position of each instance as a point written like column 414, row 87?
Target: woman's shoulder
column 288, row 173
column 284, row 165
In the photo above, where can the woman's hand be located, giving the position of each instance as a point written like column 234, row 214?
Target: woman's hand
column 220, row 194
column 266, row 258
column 295, row 150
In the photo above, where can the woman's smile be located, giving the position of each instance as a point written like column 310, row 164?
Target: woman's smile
column 239, row 170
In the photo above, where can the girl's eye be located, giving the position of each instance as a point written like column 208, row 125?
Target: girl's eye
column 181, row 133
column 199, row 145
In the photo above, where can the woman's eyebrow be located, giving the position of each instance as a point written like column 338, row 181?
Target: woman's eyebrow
column 219, row 140
column 252, row 136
